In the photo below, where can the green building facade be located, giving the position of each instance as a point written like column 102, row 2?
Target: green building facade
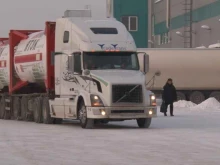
column 134, row 15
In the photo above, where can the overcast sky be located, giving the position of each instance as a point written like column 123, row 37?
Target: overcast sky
column 29, row 14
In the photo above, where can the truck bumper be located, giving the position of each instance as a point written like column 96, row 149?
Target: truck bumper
column 121, row 112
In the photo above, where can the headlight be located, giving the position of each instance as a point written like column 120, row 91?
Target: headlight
column 96, row 101
column 153, row 97
column 153, row 100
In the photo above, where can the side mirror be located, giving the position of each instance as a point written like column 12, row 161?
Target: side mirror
column 144, row 62
column 71, row 63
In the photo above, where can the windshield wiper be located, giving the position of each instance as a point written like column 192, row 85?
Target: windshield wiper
column 127, row 93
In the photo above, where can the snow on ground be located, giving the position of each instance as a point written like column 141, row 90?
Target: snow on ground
column 184, row 104
column 209, row 104
column 188, row 138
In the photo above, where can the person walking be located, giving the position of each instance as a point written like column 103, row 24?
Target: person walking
column 169, row 96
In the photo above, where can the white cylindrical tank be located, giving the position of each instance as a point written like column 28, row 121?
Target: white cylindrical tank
column 190, row 69
column 30, row 58
column 4, row 65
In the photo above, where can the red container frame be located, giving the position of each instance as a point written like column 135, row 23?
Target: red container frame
column 2, row 40
column 15, row 36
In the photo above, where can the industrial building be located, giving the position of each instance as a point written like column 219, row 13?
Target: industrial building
column 134, row 15
column 171, row 23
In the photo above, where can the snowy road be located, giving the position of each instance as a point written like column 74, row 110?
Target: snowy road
column 189, row 138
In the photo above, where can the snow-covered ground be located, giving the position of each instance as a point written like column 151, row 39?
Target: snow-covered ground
column 192, row 137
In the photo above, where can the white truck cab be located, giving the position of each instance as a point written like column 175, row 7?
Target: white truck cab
column 98, row 77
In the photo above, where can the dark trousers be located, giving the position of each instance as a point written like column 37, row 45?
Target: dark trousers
column 171, row 108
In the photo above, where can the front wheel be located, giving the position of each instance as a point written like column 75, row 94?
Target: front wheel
column 84, row 121
column 144, row 123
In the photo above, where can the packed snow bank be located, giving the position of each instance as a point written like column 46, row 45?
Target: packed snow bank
column 184, row 104
column 209, row 104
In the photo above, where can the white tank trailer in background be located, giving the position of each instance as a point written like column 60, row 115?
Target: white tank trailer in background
column 195, row 72
column 45, row 75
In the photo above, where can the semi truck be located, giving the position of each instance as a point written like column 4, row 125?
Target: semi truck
column 195, row 72
column 78, row 68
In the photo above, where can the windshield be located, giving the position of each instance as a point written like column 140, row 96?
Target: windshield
column 110, row 60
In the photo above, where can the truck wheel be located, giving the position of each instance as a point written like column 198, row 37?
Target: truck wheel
column 37, row 110
column 24, row 108
column 57, row 121
column 47, row 119
column 144, row 123
column 181, row 96
column 104, row 121
column 84, row 121
column 2, row 107
column 197, row 97
column 216, row 95
column 7, row 114
column 16, row 108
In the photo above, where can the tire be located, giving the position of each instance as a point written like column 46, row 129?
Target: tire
column 216, row 95
column 57, row 121
column 84, row 121
column 2, row 107
column 37, row 110
column 16, row 108
column 47, row 119
column 104, row 121
column 24, row 108
column 144, row 123
column 197, row 97
column 8, row 113
column 181, row 96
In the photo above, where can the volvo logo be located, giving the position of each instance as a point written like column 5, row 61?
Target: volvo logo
column 101, row 45
column 127, row 94
column 115, row 45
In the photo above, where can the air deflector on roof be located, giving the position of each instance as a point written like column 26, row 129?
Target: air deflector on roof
column 104, row 30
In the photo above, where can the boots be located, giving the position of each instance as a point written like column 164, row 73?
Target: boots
column 171, row 110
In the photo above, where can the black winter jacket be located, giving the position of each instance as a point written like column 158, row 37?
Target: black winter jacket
column 169, row 93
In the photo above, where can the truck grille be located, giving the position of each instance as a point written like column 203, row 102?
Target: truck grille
column 118, row 91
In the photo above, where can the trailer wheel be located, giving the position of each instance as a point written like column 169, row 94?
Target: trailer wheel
column 2, row 107
column 181, row 96
column 84, row 121
column 216, row 95
column 47, row 119
column 8, row 113
column 24, row 108
column 197, row 97
column 37, row 110
column 16, row 108
column 144, row 123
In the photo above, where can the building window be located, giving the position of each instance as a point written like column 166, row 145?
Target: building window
column 166, row 38
column 163, row 38
column 130, row 22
